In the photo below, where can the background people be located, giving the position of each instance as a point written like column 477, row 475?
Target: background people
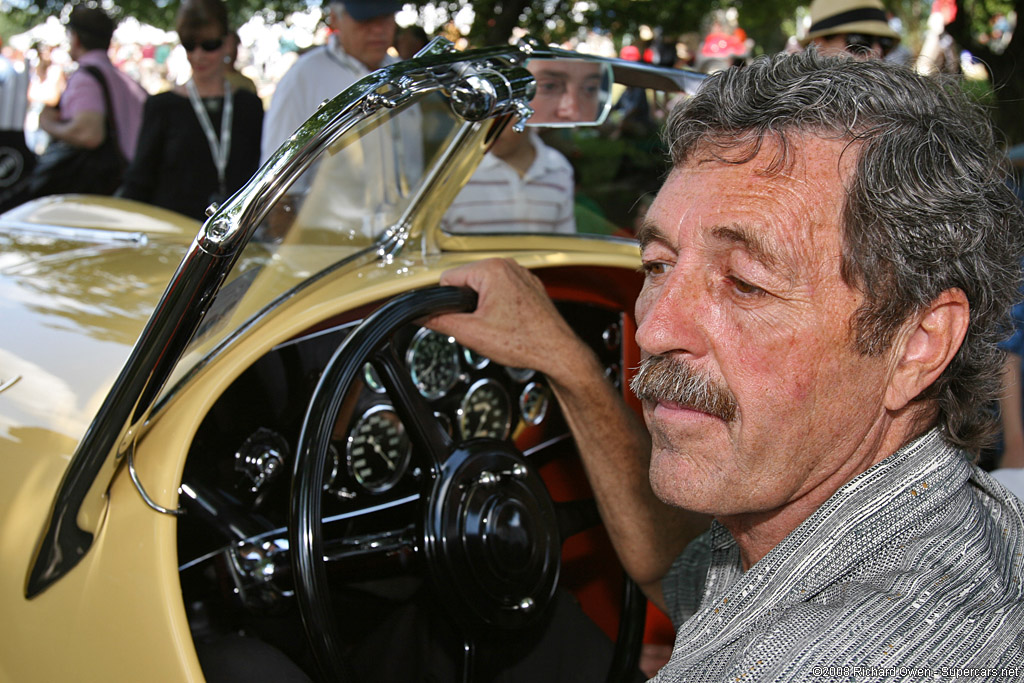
column 238, row 80
column 44, row 90
column 363, row 30
column 824, row 289
column 82, row 115
column 16, row 159
column 200, row 141
column 410, row 40
column 857, row 27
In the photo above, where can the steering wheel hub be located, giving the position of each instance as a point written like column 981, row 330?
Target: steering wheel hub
column 490, row 536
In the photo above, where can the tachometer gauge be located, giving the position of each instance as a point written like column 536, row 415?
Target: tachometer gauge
column 378, row 449
column 533, row 403
column 433, row 361
column 485, row 411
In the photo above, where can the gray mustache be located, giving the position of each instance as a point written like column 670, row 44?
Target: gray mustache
column 663, row 379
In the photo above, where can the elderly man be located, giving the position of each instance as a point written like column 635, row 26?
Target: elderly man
column 362, row 32
column 857, row 27
column 344, row 193
column 827, row 275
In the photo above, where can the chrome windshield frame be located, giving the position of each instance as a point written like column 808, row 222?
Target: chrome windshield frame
column 479, row 84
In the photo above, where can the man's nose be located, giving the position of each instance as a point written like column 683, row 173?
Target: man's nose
column 673, row 317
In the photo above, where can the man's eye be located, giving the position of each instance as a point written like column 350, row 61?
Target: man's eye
column 655, row 268
column 745, row 287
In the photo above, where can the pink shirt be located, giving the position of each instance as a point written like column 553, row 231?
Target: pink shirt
column 83, row 93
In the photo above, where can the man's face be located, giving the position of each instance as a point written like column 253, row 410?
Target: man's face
column 567, row 90
column 368, row 41
column 742, row 285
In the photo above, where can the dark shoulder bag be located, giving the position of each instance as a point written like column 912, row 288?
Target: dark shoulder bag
column 64, row 168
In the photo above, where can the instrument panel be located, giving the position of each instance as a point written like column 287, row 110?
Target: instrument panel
column 245, row 448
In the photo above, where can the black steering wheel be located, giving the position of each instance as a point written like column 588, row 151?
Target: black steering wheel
column 487, row 533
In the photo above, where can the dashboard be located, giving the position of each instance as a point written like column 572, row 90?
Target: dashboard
column 233, row 541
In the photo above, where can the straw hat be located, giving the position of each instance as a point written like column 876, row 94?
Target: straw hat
column 833, row 17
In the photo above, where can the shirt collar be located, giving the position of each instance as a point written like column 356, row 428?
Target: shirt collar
column 913, row 482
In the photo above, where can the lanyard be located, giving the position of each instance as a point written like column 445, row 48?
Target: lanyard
column 220, row 150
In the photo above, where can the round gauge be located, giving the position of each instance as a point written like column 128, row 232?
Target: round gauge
column 378, row 449
column 533, row 403
column 520, row 374
column 485, row 411
column 474, row 359
column 433, row 361
column 372, row 379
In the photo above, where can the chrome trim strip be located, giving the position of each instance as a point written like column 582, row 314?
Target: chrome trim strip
column 97, row 235
column 142, row 491
column 284, row 530
column 8, row 383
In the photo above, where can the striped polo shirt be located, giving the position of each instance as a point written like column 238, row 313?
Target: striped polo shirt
column 497, row 199
column 912, row 571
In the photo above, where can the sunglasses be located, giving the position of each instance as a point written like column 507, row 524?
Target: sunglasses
column 863, row 42
column 207, row 45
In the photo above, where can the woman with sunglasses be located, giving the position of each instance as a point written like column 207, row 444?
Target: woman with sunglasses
column 200, row 141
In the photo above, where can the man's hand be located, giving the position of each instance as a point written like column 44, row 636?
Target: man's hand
column 515, row 323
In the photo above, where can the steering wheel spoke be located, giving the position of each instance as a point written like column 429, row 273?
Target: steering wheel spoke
column 424, row 428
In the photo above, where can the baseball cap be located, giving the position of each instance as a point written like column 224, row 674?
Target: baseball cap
column 364, row 10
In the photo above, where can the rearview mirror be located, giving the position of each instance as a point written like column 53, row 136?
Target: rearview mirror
column 570, row 92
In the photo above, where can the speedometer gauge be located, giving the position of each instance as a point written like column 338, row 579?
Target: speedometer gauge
column 378, row 449
column 433, row 361
column 485, row 412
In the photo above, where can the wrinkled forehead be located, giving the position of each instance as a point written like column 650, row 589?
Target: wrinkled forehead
column 782, row 207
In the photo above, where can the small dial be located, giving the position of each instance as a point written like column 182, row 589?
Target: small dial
column 372, row 379
column 474, row 359
column 378, row 449
column 485, row 411
column 433, row 361
column 533, row 403
column 520, row 374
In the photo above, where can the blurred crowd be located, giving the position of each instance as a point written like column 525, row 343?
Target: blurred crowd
column 258, row 57
column 157, row 61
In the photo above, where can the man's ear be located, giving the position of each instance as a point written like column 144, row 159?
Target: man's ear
column 928, row 344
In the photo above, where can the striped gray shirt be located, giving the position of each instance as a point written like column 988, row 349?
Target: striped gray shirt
column 910, row 572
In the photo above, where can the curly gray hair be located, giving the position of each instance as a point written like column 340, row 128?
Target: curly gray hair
column 927, row 210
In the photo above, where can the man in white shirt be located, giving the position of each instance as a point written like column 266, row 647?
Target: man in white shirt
column 344, row 192
column 362, row 32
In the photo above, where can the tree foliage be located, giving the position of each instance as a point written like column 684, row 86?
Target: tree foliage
column 768, row 22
